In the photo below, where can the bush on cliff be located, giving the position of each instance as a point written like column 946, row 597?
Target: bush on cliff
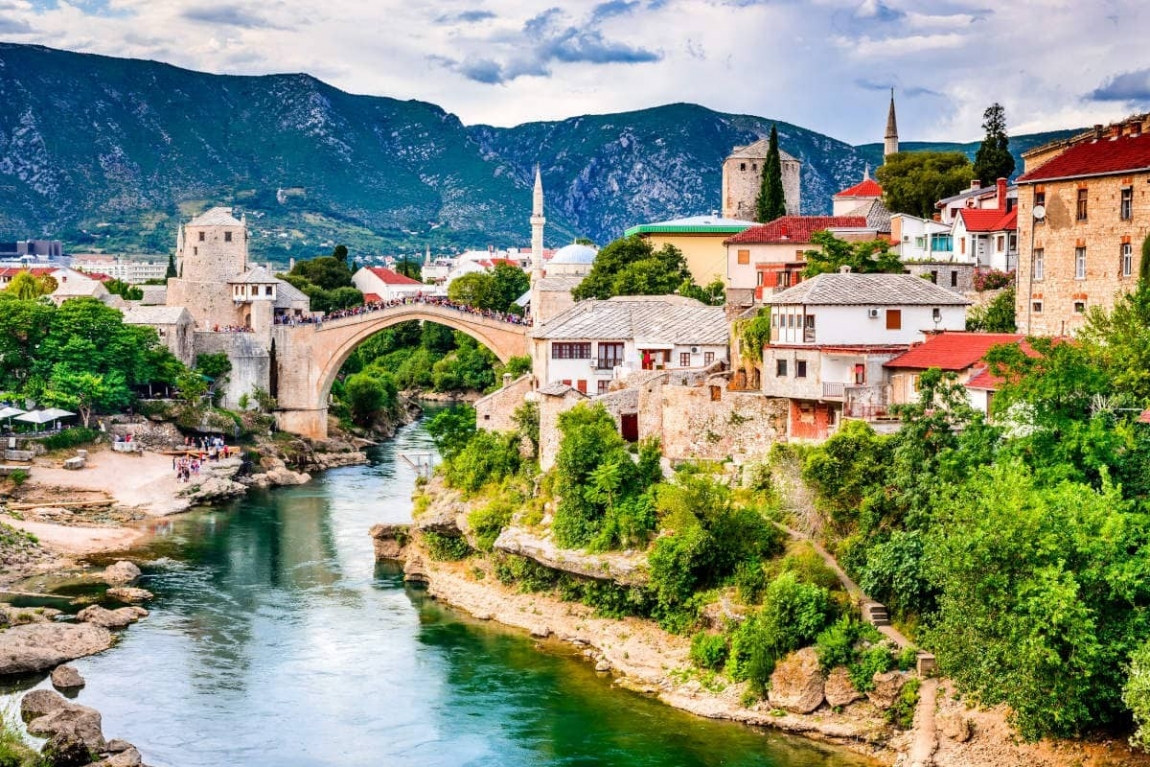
column 488, row 457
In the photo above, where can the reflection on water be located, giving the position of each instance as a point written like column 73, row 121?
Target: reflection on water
column 276, row 640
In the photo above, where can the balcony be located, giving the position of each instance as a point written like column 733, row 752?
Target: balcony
column 834, row 390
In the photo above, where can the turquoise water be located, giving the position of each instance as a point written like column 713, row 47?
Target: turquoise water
column 275, row 639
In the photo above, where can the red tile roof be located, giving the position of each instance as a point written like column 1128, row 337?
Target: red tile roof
column 36, row 271
column 868, row 187
column 951, row 351
column 391, row 277
column 372, row 298
column 994, row 220
column 795, row 229
column 1097, row 157
column 984, row 379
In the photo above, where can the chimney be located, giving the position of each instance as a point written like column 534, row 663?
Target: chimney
column 1001, row 183
column 975, row 184
column 1097, row 130
column 1136, row 127
column 845, row 269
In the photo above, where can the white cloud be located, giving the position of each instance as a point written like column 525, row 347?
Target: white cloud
column 816, row 63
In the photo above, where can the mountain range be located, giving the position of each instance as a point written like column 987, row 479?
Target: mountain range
column 111, row 154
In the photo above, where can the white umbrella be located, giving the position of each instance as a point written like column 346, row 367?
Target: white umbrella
column 37, row 417
column 9, row 411
column 56, row 412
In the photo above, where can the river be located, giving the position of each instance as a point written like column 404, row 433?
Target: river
column 275, row 639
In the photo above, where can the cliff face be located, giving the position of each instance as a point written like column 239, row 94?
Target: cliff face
column 112, row 153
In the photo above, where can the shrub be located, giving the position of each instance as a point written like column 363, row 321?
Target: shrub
column 709, row 651
column 70, row 438
column 487, row 457
column 992, row 279
column 750, row 581
column 1136, row 694
column 901, row 713
column 488, row 521
column 836, row 644
column 445, row 548
column 874, row 660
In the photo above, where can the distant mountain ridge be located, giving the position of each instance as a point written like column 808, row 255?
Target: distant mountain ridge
column 113, row 153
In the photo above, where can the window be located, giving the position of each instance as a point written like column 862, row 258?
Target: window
column 781, row 368
column 570, row 351
column 1082, row 198
column 754, row 166
column 800, row 368
column 201, row 236
column 759, row 280
column 1040, row 197
column 742, row 166
column 941, row 242
column 919, row 243
column 784, row 279
column 1080, row 263
column 1127, row 259
column 744, row 256
column 894, row 319
column 708, row 358
column 1038, row 264
column 227, row 236
column 860, row 374
column 267, row 290
column 610, row 355
column 1080, row 307
column 934, row 276
column 1036, row 307
column 953, row 278
column 1126, row 206
column 684, row 359
column 601, row 386
column 1000, row 243
column 195, row 251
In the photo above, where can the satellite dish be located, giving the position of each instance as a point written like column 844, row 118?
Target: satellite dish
column 1039, row 212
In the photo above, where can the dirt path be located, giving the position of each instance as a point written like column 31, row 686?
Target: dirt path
column 925, row 731
column 143, row 481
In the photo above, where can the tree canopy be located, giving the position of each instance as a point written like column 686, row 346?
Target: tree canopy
column 26, row 287
column 496, row 290
column 913, row 182
column 630, row 266
column 326, row 280
column 993, row 159
column 771, row 202
column 862, row 257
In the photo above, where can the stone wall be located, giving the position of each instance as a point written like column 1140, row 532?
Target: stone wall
column 493, row 412
column 251, row 363
column 948, row 274
column 712, row 423
column 549, row 410
column 742, row 179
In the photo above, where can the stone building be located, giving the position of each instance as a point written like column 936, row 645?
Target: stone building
column 1083, row 214
column 743, row 178
column 174, row 325
column 211, row 250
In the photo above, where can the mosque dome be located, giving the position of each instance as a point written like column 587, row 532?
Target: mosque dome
column 575, row 255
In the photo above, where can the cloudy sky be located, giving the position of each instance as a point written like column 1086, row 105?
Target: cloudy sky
column 823, row 64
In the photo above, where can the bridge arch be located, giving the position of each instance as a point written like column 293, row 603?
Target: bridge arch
column 310, row 356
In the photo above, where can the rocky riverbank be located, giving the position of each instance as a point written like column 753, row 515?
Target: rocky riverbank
column 947, row 730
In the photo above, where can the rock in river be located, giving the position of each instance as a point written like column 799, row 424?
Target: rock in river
column 66, row 678
column 38, row 646
column 111, row 619
column 121, row 573
column 50, row 716
column 128, row 594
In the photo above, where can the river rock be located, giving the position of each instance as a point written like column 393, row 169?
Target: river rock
column 603, row 666
column 39, row 646
column 121, row 573
column 212, row 489
column 283, row 476
column 129, row 594
column 64, row 720
column 38, row 703
column 66, row 678
column 389, row 540
column 797, row 684
column 124, row 757
column 111, row 619
column 66, row 751
column 839, row 690
column 887, row 686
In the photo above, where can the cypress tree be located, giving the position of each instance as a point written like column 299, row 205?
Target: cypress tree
column 994, row 160
column 171, row 267
column 772, row 201
column 1144, row 266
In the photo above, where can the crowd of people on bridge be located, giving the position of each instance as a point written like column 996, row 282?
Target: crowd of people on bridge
column 428, row 300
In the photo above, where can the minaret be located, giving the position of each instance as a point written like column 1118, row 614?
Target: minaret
column 537, row 222
column 890, row 145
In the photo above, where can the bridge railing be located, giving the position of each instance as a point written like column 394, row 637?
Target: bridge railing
column 429, row 301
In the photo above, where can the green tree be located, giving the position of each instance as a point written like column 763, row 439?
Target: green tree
column 171, row 271
column 1144, row 264
column 86, row 391
column 409, row 268
column 771, row 202
column 124, row 290
column 26, row 287
column 995, row 317
column 476, row 289
column 993, row 159
column 511, row 282
column 630, row 266
column 913, row 182
column 25, row 324
column 862, row 257
column 452, row 429
column 369, row 393
column 339, row 253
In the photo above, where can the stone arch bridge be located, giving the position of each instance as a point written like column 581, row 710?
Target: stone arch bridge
column 307, row 357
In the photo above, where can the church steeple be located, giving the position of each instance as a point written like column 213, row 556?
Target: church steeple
column 537, row 223
column 890, row 145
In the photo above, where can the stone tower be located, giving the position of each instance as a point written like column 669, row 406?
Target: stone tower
column 537, row 224
column 743, row 177
column 890, row 143
column 212, row 250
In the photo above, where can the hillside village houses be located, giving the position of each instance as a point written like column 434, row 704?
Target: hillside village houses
column 378, row 283
column 1083, row 215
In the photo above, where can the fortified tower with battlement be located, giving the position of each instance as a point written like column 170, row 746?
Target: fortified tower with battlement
column 211, row 252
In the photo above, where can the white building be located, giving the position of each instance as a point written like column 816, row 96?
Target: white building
column 829, row 338
column 977, row 197
column 988, row 238
column 123, row 269
column 921, row 239
column 595, row 341
column 378, row 283
column 572, row 259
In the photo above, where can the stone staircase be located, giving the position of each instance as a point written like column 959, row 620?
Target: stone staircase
column 876, row 614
